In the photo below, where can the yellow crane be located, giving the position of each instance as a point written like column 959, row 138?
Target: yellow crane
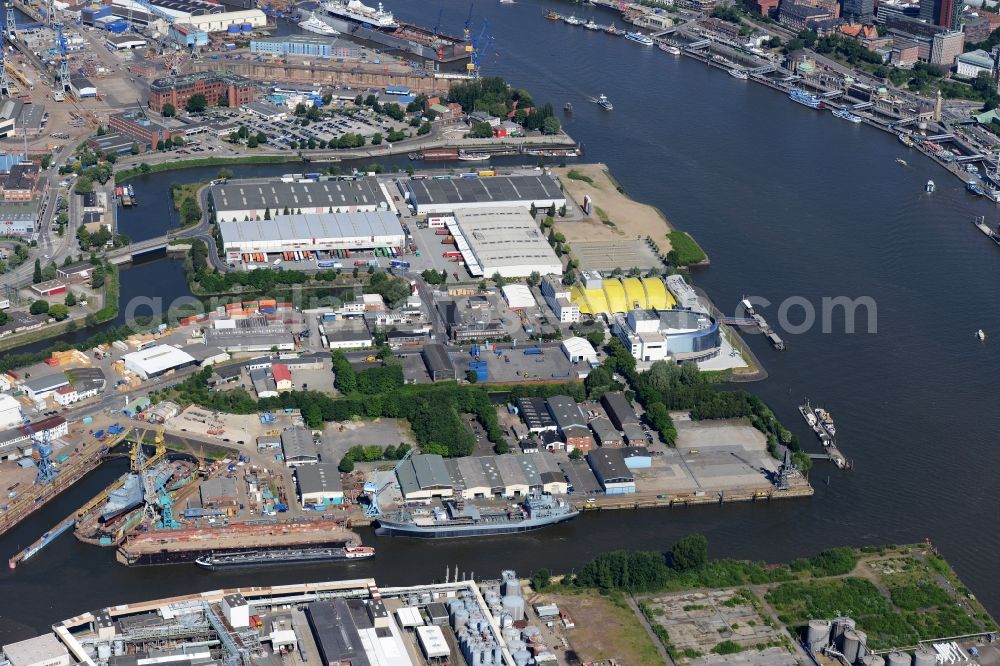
column 135, row 454
column 17, row 74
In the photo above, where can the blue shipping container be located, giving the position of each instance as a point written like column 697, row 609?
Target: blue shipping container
column 117, row 28
column 532, row 352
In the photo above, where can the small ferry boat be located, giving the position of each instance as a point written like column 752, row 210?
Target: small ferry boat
column 929, row 187
column 669, row 48
column 572, row 20
column 844, row 114
column 639, row 38
column 604, row 103
column 905, row 139
column 738, row 74
column 973, row 187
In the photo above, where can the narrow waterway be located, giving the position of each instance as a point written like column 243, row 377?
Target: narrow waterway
column 789, row 203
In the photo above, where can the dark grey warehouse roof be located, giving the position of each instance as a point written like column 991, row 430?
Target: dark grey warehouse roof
column 495, row 189
column 277, row 195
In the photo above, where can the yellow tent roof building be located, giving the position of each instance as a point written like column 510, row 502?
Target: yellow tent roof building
column 597, row 296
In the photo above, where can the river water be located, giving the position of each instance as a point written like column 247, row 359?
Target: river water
column 788, row 203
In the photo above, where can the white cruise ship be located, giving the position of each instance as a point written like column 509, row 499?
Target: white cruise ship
column 359, row 12
column 316, row 24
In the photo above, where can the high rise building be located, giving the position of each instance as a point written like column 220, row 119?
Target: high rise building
column 945, row 13
column 861, row 11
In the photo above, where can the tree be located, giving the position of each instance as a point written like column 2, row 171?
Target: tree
column 135, row 151
column 70, row 299
column 196, row 103
column 346, row 465
column 160, row 145
column 39, row 307
column 551, row 125
column 37, row 275
column 49, row 271
column 178, row 141
column 168, row 110
column 481, row 131
column 376, row 138
column 534, row 279
column 424, row 129
column 58, row 311
column 689, row 553
column 261, row 137
column 46, row 161
column 252, row 141
column 576, row 454
column 471, row 376
column 498, row 280
column 540, row 579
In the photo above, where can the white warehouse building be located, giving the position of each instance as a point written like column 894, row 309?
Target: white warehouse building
column 507, row 241
column 313, row 232
column 157, row 360
column 221, row 22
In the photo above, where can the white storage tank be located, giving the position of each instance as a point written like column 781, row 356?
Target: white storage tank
column 514, row 606
column 924, row 657
column 862, row 649
column 461, row 618
column 818, row 634
column 875, row 660
column 850, row 643
column 897, row 658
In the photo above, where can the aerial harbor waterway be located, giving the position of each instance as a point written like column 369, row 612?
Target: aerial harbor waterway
column 789, row 203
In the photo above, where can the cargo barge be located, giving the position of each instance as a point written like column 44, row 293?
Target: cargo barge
column 247, row 559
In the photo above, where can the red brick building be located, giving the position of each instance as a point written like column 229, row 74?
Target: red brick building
column 136, row 126
column 231, row 89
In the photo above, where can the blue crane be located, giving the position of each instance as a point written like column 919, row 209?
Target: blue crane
column 468, row 22
column 481, row 46
column 46, row 468
column 372, row 490
column 62, row 79
column 437, row 26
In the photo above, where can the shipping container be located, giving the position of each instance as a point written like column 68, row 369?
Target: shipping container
column 451, row 253
column 532, row 352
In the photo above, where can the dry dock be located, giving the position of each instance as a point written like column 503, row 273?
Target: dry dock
column 185, row 545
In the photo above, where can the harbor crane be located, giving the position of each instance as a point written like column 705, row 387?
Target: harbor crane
column 467, row 31
column 43, row 447
column 4, row 81
column 10, row 31
column 480, row 47
column 63, row 81
column 372, row 490
column 437, row 26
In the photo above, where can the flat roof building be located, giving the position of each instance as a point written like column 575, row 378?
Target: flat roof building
column 535, row 414
column 44, row 650
column 239, row 201
column 439, row 364
column 319, row 485
column 316, row 232
column 215, row 86
column 619, row 409
column 249, row 335
column 450, row 195
column 507, row 241
column 157, row 360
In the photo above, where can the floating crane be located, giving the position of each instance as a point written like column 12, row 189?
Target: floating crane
column 372, row 490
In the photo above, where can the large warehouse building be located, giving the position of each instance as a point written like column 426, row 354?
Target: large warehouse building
column 313, row 232
column 239, row 202
column 503, row 240
column 157, row 360
column 449, row 195
column 595, row 295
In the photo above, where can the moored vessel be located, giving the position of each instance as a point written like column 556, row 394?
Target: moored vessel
column 738, row 74
column 669, row 48
column 572, row 20
column 281, row 557
column 612, row 29
column 805, row 98
column 316, row 25
column 639, row 38
column 844, row 114
column 456, row 519
column 359, row 12
column 473, row 157
column 551, row 15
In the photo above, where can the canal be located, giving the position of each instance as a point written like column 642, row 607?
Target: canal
column 790, row 204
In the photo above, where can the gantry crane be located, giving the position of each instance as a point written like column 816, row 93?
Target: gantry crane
column 62, row 80
column 42, row 446
column 372, row 490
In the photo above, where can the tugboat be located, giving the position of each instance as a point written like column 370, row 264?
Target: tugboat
column 604, row 103
column 612, row 29
column 552, row 16
column 929, row 187
column 568, row 108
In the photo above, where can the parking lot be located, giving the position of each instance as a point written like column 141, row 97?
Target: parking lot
column 514, row 365
column 431, row 249
column 340, row 436
column 282, row 133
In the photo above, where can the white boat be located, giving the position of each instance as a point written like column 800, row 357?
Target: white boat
column 316, row 24
column 591, row 25
column 844, row 114
column 639, row 38
column 980, row 334
column 357, row 11
column 506, row 2
column 604, row 103
column 473, row 157
column 901, row 162
column 929, row 187
column 572, row 20
column 738, row 74
column 669, row 48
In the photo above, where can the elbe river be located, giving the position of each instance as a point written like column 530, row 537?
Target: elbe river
column 788, row 202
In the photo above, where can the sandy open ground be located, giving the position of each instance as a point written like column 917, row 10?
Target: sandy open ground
column 632, row 220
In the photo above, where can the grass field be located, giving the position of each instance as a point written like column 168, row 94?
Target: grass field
column 687, row 250
column 606, row 628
